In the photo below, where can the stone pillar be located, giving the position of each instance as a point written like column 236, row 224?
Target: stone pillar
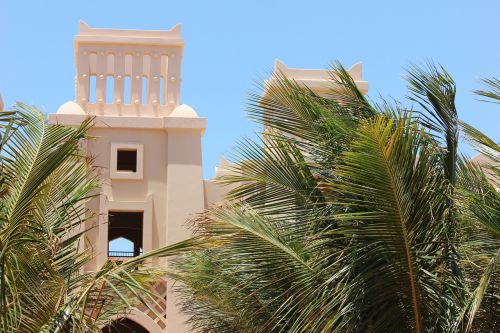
column 184, row 200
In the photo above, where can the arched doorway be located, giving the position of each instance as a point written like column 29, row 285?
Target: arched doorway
column 124, row 325
column 133, row 317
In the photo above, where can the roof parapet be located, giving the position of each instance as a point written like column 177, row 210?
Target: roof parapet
column 318, row 80
column 128, row 36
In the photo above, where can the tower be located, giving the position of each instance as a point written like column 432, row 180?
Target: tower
column 146, row 145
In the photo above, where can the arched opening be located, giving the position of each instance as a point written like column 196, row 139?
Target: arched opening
column 124, row 325
column 122, row 247
column 125, row 234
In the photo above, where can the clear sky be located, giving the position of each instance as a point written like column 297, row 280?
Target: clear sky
column 230, row 45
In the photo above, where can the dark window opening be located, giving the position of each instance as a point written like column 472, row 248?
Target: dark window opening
column 126, row 160
column 125, row 234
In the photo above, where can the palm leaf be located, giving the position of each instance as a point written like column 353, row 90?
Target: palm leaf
column 492, row 94
column 392, row 182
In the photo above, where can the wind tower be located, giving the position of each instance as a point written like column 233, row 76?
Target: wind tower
column 146, row 144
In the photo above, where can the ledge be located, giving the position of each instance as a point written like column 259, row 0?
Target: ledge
column 90, row 35
column 166, row 123
column 323, row 86
column 82, row 40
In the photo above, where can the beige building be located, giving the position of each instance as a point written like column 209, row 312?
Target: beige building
column 147, row 147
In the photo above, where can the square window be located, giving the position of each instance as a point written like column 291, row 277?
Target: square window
column 126, row 160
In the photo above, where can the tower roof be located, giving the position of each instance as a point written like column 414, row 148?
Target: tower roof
column 318, row 80
column 128, row 72
column 90, row 35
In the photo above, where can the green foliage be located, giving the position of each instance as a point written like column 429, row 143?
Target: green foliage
column 349, row 216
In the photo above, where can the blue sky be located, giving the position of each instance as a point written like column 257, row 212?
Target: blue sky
column 231, row 45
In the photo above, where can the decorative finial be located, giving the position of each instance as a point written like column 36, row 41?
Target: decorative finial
column 279, row 66
column 356, row 71
column 177, row 29
column 83, row 26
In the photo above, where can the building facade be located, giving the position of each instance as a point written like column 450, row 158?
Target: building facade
column 147, row 147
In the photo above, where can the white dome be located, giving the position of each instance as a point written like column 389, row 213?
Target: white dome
column 70, row 108
column 184, row 111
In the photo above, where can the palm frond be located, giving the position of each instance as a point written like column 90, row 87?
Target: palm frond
column 257, row 255
column 492, row 93
column 433, row 88
column 482, row 143
column 392, row 182
column 315, row 123
column 466, row 321
column 349, row 217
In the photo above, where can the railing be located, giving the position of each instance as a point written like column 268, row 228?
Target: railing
column 112, row 80
column 122, row 254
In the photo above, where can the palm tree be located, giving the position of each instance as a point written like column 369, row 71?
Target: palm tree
column 351, row 216
column 45, row 180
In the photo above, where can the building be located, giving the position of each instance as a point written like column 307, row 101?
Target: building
column 147, row 146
